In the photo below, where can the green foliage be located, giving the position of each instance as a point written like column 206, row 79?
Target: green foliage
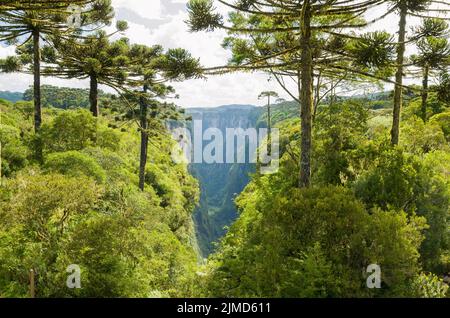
column 434, row 106
column 141, row 261
column 108, row 138
column 33, row 220
column 69, row 130
column 431, row 27
column 400, row 181
column 271, row 249
column 201, row 16
column 339, row 134
column 429, row 286
column 390, row 182
column 431, row 136
column 433, row 202
column 95, row 56
column 63, row 97
column 309, row 275
column 82, row 206
column 178, row 64
column 443, row 88
column 74, row 163
column 443, row 120
column 433, row 52
column 25, row 108
column 374, row 51
column 125, row 253
column 14, row 152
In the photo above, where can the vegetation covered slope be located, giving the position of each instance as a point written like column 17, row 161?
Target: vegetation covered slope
column 82, row 206
column 65, row 97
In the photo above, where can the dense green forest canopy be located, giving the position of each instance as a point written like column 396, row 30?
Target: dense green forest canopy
column 64, row 98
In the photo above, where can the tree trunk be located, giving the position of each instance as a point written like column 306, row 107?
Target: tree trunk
column 37, row 81
column 426, row 71
column 37, row 93
column 93, row 95
column 398, row 91
column 317, row 96
column 269, row 128
column 144, row 139
column 32, row 284
column 306, row 95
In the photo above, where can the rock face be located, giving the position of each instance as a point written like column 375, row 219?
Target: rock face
column 220, row 183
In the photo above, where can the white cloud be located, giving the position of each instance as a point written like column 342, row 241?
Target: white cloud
column 146, row 8
column 216, row 90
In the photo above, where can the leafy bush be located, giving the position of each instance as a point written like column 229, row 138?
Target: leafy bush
column 390, row 182
column 418, row 137
column 271, row 249
column 404, row 182
column 433, row 202
column 108, row 138
column 339, row 132
column 69, row 130
column 74, row 163
column 434, row 106
column 33, row 219
column 121, row 258
column 443, row 120
column 429, row 286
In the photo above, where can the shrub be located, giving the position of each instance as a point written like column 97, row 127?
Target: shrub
column 280, row 234
column 108, row 138
column 14, row 153
column 74, row 163
column 404, row 182
column 390, row 182
column 69, row 130
column 443, row 120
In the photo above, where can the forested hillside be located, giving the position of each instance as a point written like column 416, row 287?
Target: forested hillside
column 81, row 205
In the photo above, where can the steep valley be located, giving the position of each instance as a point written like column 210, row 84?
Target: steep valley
column 220, row 183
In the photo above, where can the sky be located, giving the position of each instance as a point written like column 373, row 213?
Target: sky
column 163, row 22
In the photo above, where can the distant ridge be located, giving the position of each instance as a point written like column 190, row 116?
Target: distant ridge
column 222, row 107
column 219, row 183
column 11, row 96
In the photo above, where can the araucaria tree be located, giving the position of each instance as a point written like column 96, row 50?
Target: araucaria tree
column 150, row 71
column 433, row 54
column 292, row 38
column 95, row 58
column 269, row 95
column 28, row 23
